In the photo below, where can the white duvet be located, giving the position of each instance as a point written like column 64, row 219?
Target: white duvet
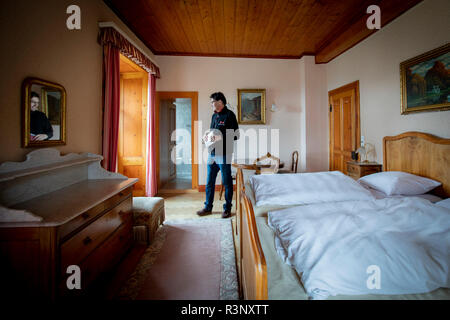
column 388, row 246
column 306, row 188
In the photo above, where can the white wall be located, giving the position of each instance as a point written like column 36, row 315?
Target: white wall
column 375, row 62
column 280, row 78
column 314, row 120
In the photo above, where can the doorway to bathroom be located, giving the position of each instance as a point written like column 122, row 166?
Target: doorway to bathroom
column 177, row 169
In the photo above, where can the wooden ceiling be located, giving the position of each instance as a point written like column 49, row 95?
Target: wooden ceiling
column 253, row 28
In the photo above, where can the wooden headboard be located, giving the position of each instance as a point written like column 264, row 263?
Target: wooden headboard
column 419, row 153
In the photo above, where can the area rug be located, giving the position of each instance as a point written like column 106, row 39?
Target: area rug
column 188, row 259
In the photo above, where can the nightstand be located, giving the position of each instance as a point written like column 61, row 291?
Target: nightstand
column 357, row 170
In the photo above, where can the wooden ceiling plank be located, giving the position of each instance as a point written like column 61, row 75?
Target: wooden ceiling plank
column 219, row 24
column 304, row 14
column 271, row 27
column 265, row 16
column 183, row 16
column 240, row 25
column 158, row 23
column 312, row 24
column 193, row 10
column 229, row 17
column 177, row 24
column 285, row 18
column 208, row 20
column 250, row 28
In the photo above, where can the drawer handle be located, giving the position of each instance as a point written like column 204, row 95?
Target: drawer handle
column 85, row 215
column 87, row 240
column 121, row 193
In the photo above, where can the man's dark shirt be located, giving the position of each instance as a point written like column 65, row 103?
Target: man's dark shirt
column 39, row 124
column 223, row 120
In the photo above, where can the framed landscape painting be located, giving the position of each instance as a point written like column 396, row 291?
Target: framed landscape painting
column 425, row 81
column 251, row 106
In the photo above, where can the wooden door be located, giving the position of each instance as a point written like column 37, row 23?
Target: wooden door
column 133, row 128
column 344, row 125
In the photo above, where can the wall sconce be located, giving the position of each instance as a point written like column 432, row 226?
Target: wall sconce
column 274, row 108
column 229, row 106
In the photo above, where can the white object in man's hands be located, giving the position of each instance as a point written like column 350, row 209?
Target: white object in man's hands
column 212, row 136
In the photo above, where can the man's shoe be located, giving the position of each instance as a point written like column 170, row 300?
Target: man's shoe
column 204, row 212
column 226, row 214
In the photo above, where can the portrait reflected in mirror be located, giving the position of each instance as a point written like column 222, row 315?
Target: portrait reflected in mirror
column 40, row 127
column 44, row 110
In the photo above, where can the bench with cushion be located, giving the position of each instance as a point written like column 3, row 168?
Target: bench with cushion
column 148, row 215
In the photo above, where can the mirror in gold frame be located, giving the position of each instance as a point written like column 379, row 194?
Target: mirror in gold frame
column 44, row 113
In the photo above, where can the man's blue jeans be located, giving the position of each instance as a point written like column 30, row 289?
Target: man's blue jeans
column 227, row 181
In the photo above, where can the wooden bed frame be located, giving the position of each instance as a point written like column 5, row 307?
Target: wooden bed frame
column 414, row 152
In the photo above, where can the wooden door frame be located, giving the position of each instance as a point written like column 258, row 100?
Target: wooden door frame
column 193, row 95
column 355, row 86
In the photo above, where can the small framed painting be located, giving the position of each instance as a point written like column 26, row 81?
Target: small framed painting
column 425, row 82
column 251, row 106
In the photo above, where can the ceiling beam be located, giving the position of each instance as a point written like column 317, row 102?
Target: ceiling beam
column 356, row 32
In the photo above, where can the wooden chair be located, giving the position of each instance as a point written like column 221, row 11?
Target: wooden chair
column 274, row 164
column 294, row 164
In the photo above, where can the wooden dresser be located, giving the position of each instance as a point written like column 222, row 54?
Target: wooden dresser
column 60, row 211
column 357, row 170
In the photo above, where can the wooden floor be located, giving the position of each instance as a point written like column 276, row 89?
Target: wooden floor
column 178, row 184
column 177, row 206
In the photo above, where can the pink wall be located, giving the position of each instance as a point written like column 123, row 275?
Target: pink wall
column 280, row 78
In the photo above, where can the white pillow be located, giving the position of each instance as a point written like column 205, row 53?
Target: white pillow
column 444, row 203
column 397, row 182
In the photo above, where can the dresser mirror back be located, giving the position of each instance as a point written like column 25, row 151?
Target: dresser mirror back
column 421, row 154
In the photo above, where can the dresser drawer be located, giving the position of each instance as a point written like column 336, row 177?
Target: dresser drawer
column 65, row 231
column 108, row 254
column 103, row 258
column 369, row 171
column 75, row 249
column 351, row 169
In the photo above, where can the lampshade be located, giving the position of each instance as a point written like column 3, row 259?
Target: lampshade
column 362, row 152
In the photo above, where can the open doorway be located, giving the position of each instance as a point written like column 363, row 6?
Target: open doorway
column 177, row 170
column 132, row 143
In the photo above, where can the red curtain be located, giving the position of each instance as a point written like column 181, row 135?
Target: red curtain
column 111, row 106
column 151, row 183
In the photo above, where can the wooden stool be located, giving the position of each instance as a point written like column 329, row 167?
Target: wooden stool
column 148, row 214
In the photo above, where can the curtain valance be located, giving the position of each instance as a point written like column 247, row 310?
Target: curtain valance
column 109, row 35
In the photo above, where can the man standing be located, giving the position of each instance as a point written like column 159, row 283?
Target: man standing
column 225, row 126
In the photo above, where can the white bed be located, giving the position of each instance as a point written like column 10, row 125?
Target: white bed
column 333, row 246
column 263, row 278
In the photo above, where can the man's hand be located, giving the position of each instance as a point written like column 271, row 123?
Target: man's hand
column 40, row 137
